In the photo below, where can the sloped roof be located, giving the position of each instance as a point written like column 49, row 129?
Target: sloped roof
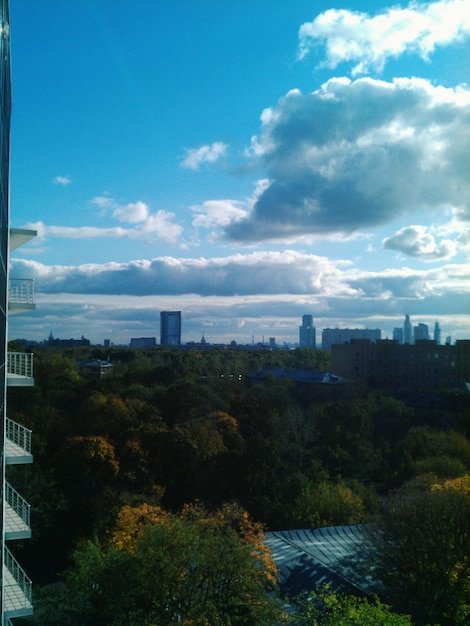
column 298, row 376
column 336, row 555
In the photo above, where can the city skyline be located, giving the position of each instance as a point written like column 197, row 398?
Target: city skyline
column 244, row 165
column 170, row 331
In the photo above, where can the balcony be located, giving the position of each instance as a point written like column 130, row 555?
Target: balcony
column 20, row 369
column 18, row 592
column 21, row 295
column 17, row 515
column 17, row 443
column 20, row 236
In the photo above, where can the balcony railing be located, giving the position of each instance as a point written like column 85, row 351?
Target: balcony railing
column 21, row 291
column 18, row 504
column 18, row 434
column 19, row 367
column 17, row 587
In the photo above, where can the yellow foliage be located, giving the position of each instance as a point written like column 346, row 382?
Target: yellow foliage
column 131, row 523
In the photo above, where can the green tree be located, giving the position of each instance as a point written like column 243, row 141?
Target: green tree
column 424, row 545
column 326, row 608
column 327, row 504
column 159, row 569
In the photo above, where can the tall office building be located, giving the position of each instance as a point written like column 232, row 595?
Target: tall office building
column 437, row 333
column 407, row 331
column 307, row 332
column 398, row 335
column 170, row 328
column 421, row 332
column 15, row 368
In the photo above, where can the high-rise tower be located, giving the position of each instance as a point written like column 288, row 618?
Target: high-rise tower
column 15, row 368
column 407, row 331
column 170, row 328
column 307, row 332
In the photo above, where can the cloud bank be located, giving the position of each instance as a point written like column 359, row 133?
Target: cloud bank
column 270, row 273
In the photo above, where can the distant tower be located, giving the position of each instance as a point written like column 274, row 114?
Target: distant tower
column 421, row 332
column 398, row 335
column 170, row 328
column 307, row 332
column 407, row 331
column 437, row 333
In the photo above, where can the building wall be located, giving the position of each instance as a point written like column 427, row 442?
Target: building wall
column 332, row 336
column 5, row 108
column 423, row 367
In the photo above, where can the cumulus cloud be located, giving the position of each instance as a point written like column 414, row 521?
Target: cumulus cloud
column 351, row 36
column 62, row 180
column 356, row 154
column 211, row 153
column 217, row 213
column 417, row 241
column 132, row 213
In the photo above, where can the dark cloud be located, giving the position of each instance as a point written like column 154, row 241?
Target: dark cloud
column 353, row 155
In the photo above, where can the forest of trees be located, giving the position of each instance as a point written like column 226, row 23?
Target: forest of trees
column 151, row 489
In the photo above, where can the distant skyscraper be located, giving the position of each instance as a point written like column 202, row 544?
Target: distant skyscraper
column 398, row 335
column 437, row 333
column 170, row 328
column 421, row 332
column 307, row 332
column 407, row 331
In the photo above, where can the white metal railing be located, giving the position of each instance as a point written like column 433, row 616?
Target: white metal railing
column 18, row 434
column 21, row 291
column 18, row 504
column 20, row 364
column 21, row 580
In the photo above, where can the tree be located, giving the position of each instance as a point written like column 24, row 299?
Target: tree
column 424, row 545
column 328, row 504
column 326, row 608
column 194, row 568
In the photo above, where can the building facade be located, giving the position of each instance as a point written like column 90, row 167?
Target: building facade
column 307, row 332
column 333, row 336
column 143, row 342
column 170, row 328
column 424, row 367
column 15, row 368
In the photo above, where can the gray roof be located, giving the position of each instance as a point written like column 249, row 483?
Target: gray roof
column 299, row 376
column 334, row 555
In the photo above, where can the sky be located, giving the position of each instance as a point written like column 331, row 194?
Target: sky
column 243, row 162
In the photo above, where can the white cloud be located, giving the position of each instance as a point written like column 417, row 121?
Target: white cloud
column 132, row 213
column 195, row 157
column 369, row 42
column 157, row 226
column 353, row 155
column 217, row 213
column 104, row 202
column 417, row 241
column 62, row 180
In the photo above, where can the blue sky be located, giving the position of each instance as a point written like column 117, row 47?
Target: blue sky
column 244, row 163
